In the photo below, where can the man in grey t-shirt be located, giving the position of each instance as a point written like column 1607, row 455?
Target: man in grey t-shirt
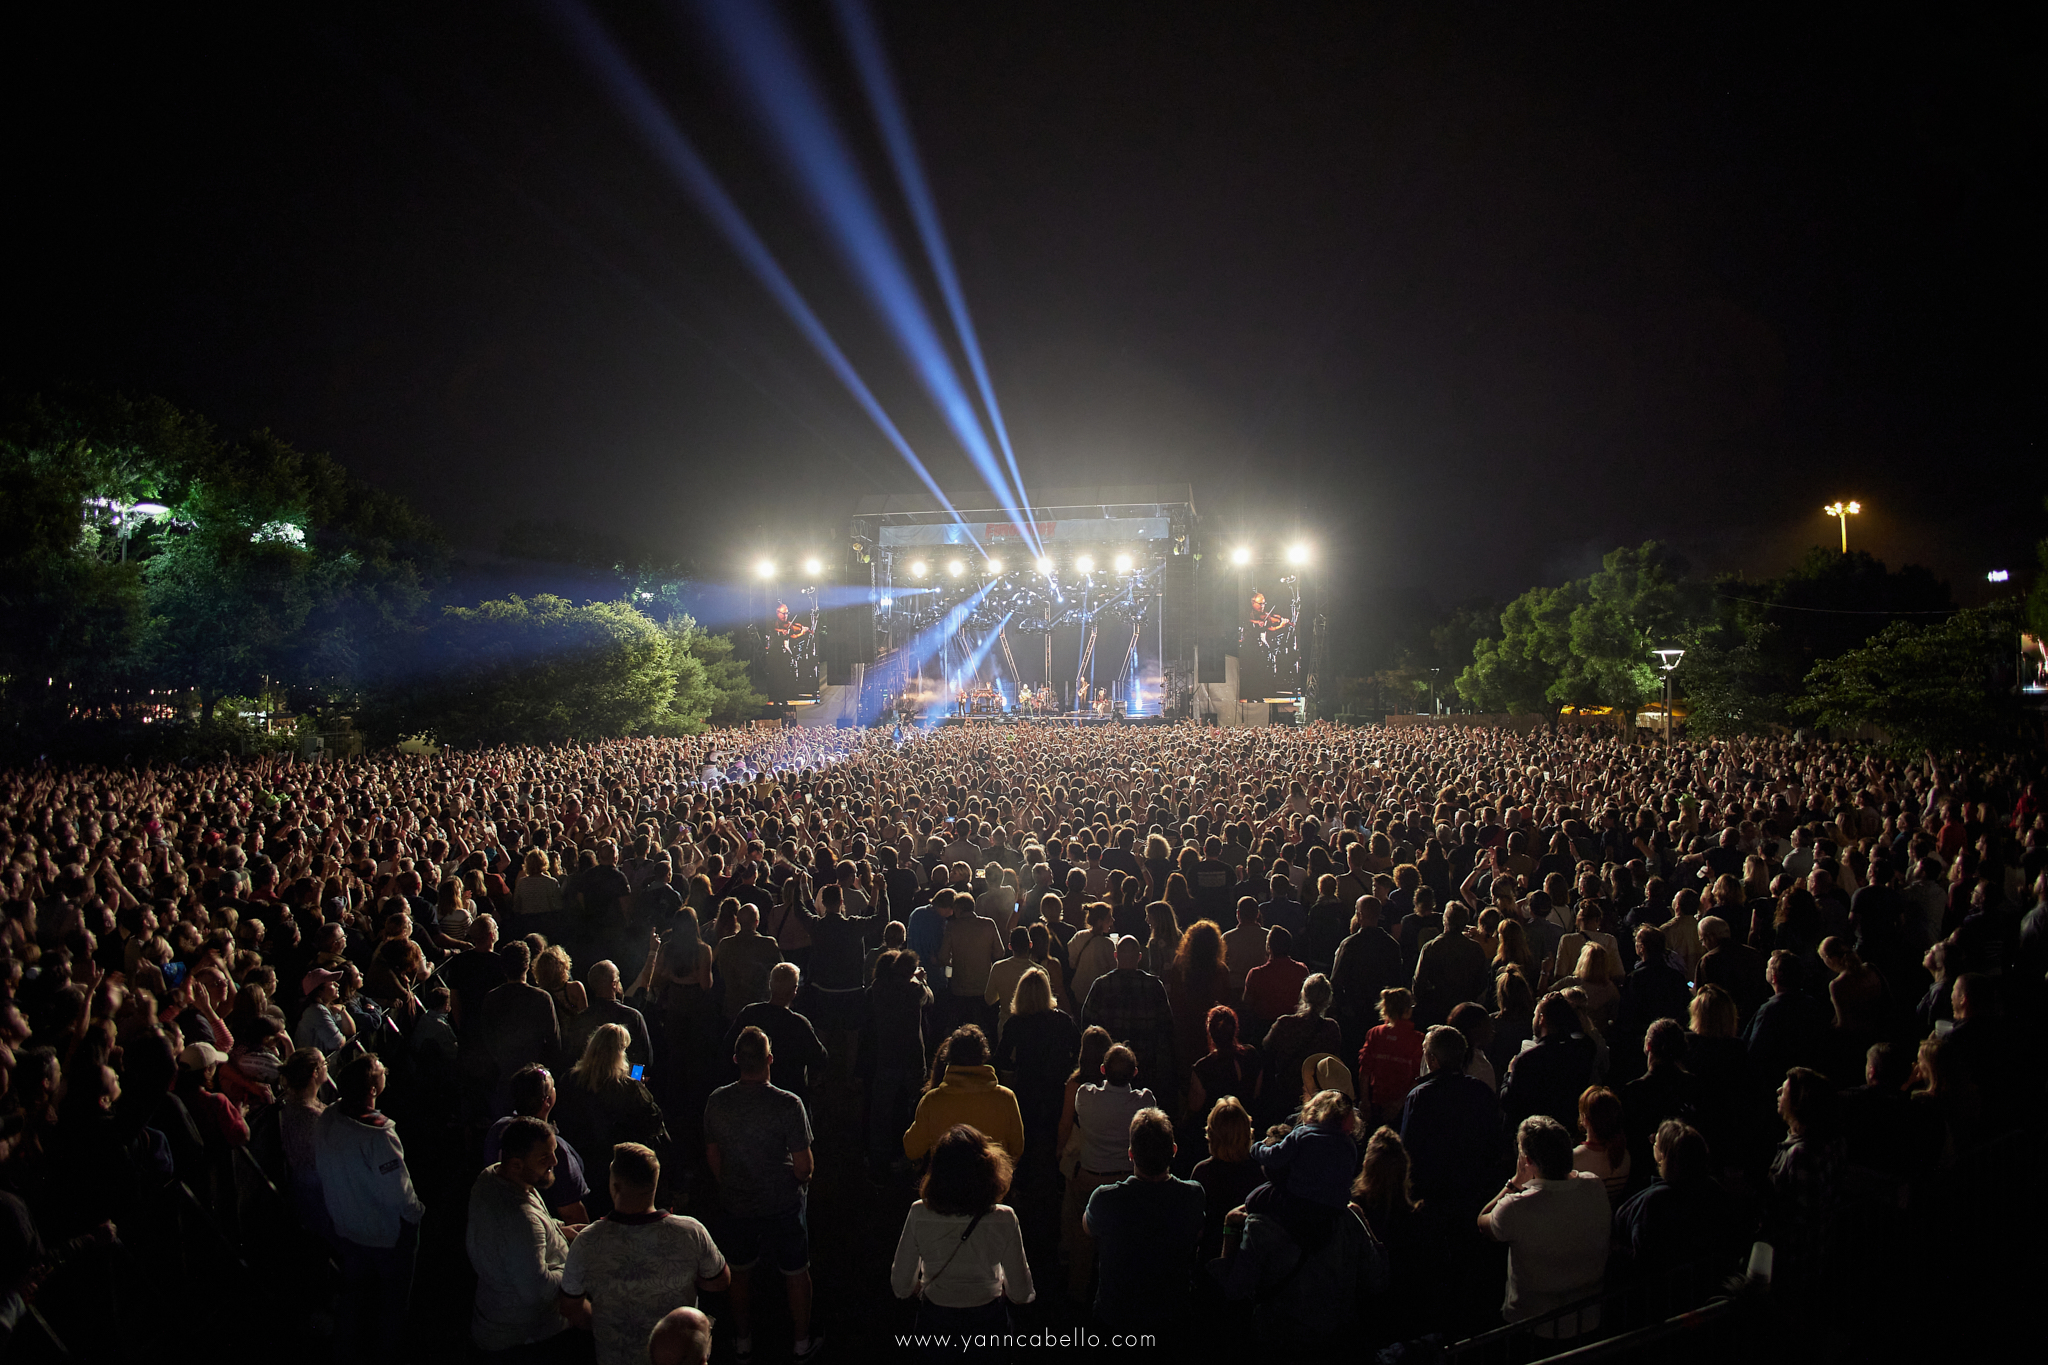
column 632, row 1266
column 757, row 1141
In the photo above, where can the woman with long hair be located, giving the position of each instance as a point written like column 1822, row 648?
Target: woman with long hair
column 1514, row 950
column 1229, row 1068
column 1162, row 938
column 1228, row 1173
column 1037, row 1052
column 1179, row 898
column 1158, row 864
column 1293, row 1037
column 601, row 1105
column 961, row 1251
column 1603, row 1150
column 536, row 896
column 1095, row 1045
column 1197, row 979
column 677, row 979
column 552, row 972
column 1592, row 977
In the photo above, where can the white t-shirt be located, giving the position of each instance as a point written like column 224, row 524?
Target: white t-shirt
column 1557, row 1233
column 635, row 1268
column 962, row 1274
column 1103, row 1112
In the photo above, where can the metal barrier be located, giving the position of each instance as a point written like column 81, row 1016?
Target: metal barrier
column 1645, row 1300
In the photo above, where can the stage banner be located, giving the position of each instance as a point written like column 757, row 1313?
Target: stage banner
column 1083, row 531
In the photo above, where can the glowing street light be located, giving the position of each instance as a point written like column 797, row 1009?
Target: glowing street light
column 813, row 567
column 764, row 568
column 918, row 568
column 1667, row 659
column 1842, row 511
column 1241, row 556
column 1046, row 566
column 1085, row 564
column 956, row 568
column 1297, row 553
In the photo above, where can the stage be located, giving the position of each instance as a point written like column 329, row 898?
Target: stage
column 929, row 723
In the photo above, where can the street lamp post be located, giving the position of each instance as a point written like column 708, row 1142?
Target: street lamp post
column 1842, row 511
column 1667, row 659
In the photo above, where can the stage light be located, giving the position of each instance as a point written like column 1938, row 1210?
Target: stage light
column 1123, row 563
column 764, row 568
column 1046, row 566
column 1085, row 564
column 813, row 567
column 1998, row 576
column 1297, row 553
column 956, row 568
column 1241, row 556
column 918, row 568
column 995, row 566
column 888, row 602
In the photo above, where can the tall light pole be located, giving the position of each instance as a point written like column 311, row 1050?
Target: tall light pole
column 1842, row 511
column 1667, row 659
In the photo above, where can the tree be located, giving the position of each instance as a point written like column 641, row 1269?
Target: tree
column 734, row 698
column 1748, row 655
column 1516, row 672
column 537, row 670
column 1927, row 687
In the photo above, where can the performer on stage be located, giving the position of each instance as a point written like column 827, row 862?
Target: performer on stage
column 1267, row 625
column 788, row 630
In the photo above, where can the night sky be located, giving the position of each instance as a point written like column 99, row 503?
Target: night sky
column 1468, row 295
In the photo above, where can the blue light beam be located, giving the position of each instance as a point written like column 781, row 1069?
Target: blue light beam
column 971, row 668
column 636, row 100
column 824, row 171
column 871, row 62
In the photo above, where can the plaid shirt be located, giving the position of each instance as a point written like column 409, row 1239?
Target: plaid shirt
column 1132, row 1005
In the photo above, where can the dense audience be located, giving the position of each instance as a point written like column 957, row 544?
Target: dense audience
column 1295, row 1038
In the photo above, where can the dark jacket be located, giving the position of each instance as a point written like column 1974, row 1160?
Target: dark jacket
column 1450, row 1123
column 1368, row 962
column 1548, row 1079
column 1451, row 970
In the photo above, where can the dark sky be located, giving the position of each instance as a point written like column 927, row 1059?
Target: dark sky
column 1468, row 293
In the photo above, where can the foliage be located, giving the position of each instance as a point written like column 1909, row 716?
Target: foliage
column 1515, row 672
column 266, row 562
column 1928, row 687
column 734, row 698
column 1746, row 661
column 537, row 670
column 1587, row 643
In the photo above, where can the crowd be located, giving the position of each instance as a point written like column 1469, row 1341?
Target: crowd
column 1288, row 1039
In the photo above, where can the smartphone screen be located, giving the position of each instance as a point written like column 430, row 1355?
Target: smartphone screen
column 637, row 1069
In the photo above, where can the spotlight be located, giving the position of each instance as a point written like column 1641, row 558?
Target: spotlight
column 1046, row 566
column 1241, row 556
column 813, row 567
column 1297, row 553
column 918, row 568
column 995, row 566
column 1123, row 563
column 764, row 568
column 1085, row 564
column 1998, row 576
column 956, row 568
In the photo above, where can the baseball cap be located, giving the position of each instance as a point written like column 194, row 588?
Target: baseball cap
column 199, row 1056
